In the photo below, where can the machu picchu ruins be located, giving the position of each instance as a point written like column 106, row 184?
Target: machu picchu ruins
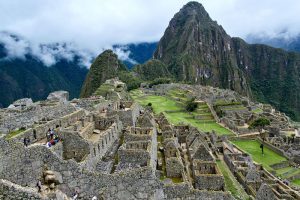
column 118, row 146
column 99, row 102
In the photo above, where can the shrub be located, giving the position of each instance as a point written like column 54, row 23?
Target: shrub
column 191, row 105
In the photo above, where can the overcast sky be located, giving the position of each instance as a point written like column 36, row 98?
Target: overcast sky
column 97, row 24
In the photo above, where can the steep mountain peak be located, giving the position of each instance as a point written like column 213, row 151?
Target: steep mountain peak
column 197, row 50
column 192, row 14
column 194, row 8
column 105, row 66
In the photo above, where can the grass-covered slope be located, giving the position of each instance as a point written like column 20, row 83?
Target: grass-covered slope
column 252, row 147
column 176, row 114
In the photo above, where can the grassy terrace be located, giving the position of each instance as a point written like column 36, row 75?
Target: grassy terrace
column 231, row 184
column 252, row 147
column 176, row 114
column 14, row 133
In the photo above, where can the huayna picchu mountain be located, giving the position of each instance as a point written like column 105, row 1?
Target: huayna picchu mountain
column 197, row 50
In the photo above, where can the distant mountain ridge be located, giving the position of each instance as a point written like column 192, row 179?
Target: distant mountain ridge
column 289, row 44
column 29, row 76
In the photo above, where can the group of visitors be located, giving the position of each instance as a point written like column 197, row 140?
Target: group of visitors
column 52, row 138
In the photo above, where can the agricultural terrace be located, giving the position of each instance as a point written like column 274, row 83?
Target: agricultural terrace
column 252, row 147
column 172, row 105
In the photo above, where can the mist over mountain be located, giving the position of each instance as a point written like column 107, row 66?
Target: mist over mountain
column 28, row 76
column 281, row 41
column 28, row 70
column 132, row 54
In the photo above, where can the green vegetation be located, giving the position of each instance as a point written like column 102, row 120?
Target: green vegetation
column 296, row 182
column 104, row 89
column 269, row 158
column 257, row 111
column 177, row 180
column 231, row 183
column 259, row 124
column 191, row 105
column 252, row 147
column 152, row 70
column 15, row 133
column 176, row 114
column 158, row 81
column 105, row 66
column 131, row 80
column 159, row 103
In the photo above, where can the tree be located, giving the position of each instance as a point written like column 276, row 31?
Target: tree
column 293, row 137
column 259, row 124
column 191, row 105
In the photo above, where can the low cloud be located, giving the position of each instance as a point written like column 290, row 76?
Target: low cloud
column 15, row 47
column 90, row 26
column 123, row 54
column 49, row 54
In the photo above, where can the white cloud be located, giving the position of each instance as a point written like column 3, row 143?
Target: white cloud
column 123, row 54
column 92, row 25
column 49, row 54
column 16, row 48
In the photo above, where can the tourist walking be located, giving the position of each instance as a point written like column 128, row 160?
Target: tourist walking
column 262, row 148
column 39, row 186
column 26, row 141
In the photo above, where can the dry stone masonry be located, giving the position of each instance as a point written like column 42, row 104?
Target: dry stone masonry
column 110, row 147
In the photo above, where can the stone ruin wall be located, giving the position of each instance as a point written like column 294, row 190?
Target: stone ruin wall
column 10, row 190
column 34, row 159
column 128, row 117
column 41, row 130
column 27, row 118
column 99, row 148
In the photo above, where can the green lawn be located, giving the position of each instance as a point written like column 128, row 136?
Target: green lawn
column 257, row 110
column 14, row 133
column 159, row 103
column 165, row 104
column 231, row 183
column 296, row 182
column 270, row 157
column 252, row 147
